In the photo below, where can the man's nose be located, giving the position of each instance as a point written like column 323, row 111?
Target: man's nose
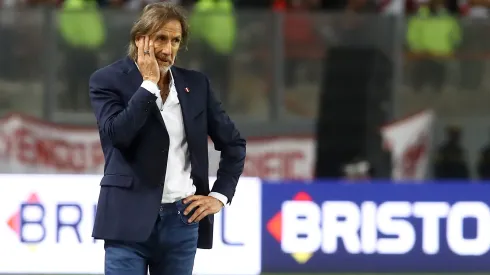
column 167, row 48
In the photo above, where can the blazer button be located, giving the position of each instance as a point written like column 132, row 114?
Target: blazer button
column 164, row 151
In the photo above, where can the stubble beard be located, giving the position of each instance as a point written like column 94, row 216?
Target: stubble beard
column 163, row 68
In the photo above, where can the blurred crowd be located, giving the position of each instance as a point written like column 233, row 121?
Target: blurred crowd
column 443, row 49
column 306, row 38
column 451, row 158
column 477, row 8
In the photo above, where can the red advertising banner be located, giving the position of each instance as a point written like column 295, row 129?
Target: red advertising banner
column 29, row 145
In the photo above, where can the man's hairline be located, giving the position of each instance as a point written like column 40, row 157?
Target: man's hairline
column 160, row 26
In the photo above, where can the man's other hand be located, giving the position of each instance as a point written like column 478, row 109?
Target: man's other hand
column 204, row 205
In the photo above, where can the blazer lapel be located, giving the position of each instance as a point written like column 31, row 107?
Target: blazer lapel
column 181, row 86
column 156, row 112
column 135, row 80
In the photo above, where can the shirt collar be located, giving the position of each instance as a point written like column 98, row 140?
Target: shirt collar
column 171, row 77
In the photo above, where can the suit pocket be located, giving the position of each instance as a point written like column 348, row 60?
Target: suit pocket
column 117, row 181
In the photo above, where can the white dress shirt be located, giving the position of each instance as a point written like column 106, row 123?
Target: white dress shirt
column 178, row 181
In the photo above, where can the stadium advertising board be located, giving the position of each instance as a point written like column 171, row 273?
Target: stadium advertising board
column 46, row 224
column 325, row 227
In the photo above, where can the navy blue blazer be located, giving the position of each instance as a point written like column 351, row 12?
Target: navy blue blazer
column 135, row 144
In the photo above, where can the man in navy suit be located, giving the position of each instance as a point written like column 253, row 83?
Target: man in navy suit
column 155, row 207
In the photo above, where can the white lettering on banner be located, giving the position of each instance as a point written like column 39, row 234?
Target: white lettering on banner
column 408, row 140
column 46, row 221
column 275, row 158
column 460, row 211
column 307, row 227
column 31, row 146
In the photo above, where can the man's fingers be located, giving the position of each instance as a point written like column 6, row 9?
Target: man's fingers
column 146, row 46
column 191, row 198
column 139, row 45
column 191, row 206
column 152, row 49
column 200, row 212
column 202, row 206
column 202, row 216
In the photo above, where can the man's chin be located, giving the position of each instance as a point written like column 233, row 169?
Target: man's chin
column 164, row 68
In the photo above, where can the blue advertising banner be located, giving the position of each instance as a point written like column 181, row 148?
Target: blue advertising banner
column 382, row 227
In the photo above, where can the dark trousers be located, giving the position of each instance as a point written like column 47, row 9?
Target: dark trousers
column 170, row 249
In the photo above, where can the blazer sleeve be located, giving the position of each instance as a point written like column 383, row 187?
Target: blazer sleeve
column 228, row 141
column 116, row 121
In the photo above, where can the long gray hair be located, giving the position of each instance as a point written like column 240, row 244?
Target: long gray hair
column 153, row 17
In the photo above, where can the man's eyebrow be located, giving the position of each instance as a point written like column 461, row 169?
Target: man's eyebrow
column 166, row 35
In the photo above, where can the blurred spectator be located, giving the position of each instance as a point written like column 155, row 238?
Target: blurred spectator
column 83, row 33
column 358, row 26
column 398, row 6
column 360, row 6
column 474, row 8
column 472, row 67
column 253, row 4
column 432, row 35
column 394, row 6
column 355, row 25
column 483, row 165
column 8, row 3
column 34, row 3
column 450, row 160
column 302, row 43
column 24, row 3
column 333, row 5
column 213, row 22
column 453, row 7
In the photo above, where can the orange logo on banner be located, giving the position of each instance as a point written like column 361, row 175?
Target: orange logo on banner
column 274, row 227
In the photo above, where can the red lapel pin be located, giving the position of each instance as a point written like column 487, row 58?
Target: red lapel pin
column 187, row 89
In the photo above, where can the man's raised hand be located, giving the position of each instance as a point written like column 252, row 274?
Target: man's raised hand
column 147, row 63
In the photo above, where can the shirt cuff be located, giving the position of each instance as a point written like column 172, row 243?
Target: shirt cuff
column 150, row 87
column 222, row 198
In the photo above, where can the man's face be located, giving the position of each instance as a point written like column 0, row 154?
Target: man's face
column 167, row 43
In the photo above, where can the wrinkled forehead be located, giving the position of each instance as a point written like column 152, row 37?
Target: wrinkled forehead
column 170, row 29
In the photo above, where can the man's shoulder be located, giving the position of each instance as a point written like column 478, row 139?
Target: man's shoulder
column 108, row 72
column 190, row 75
